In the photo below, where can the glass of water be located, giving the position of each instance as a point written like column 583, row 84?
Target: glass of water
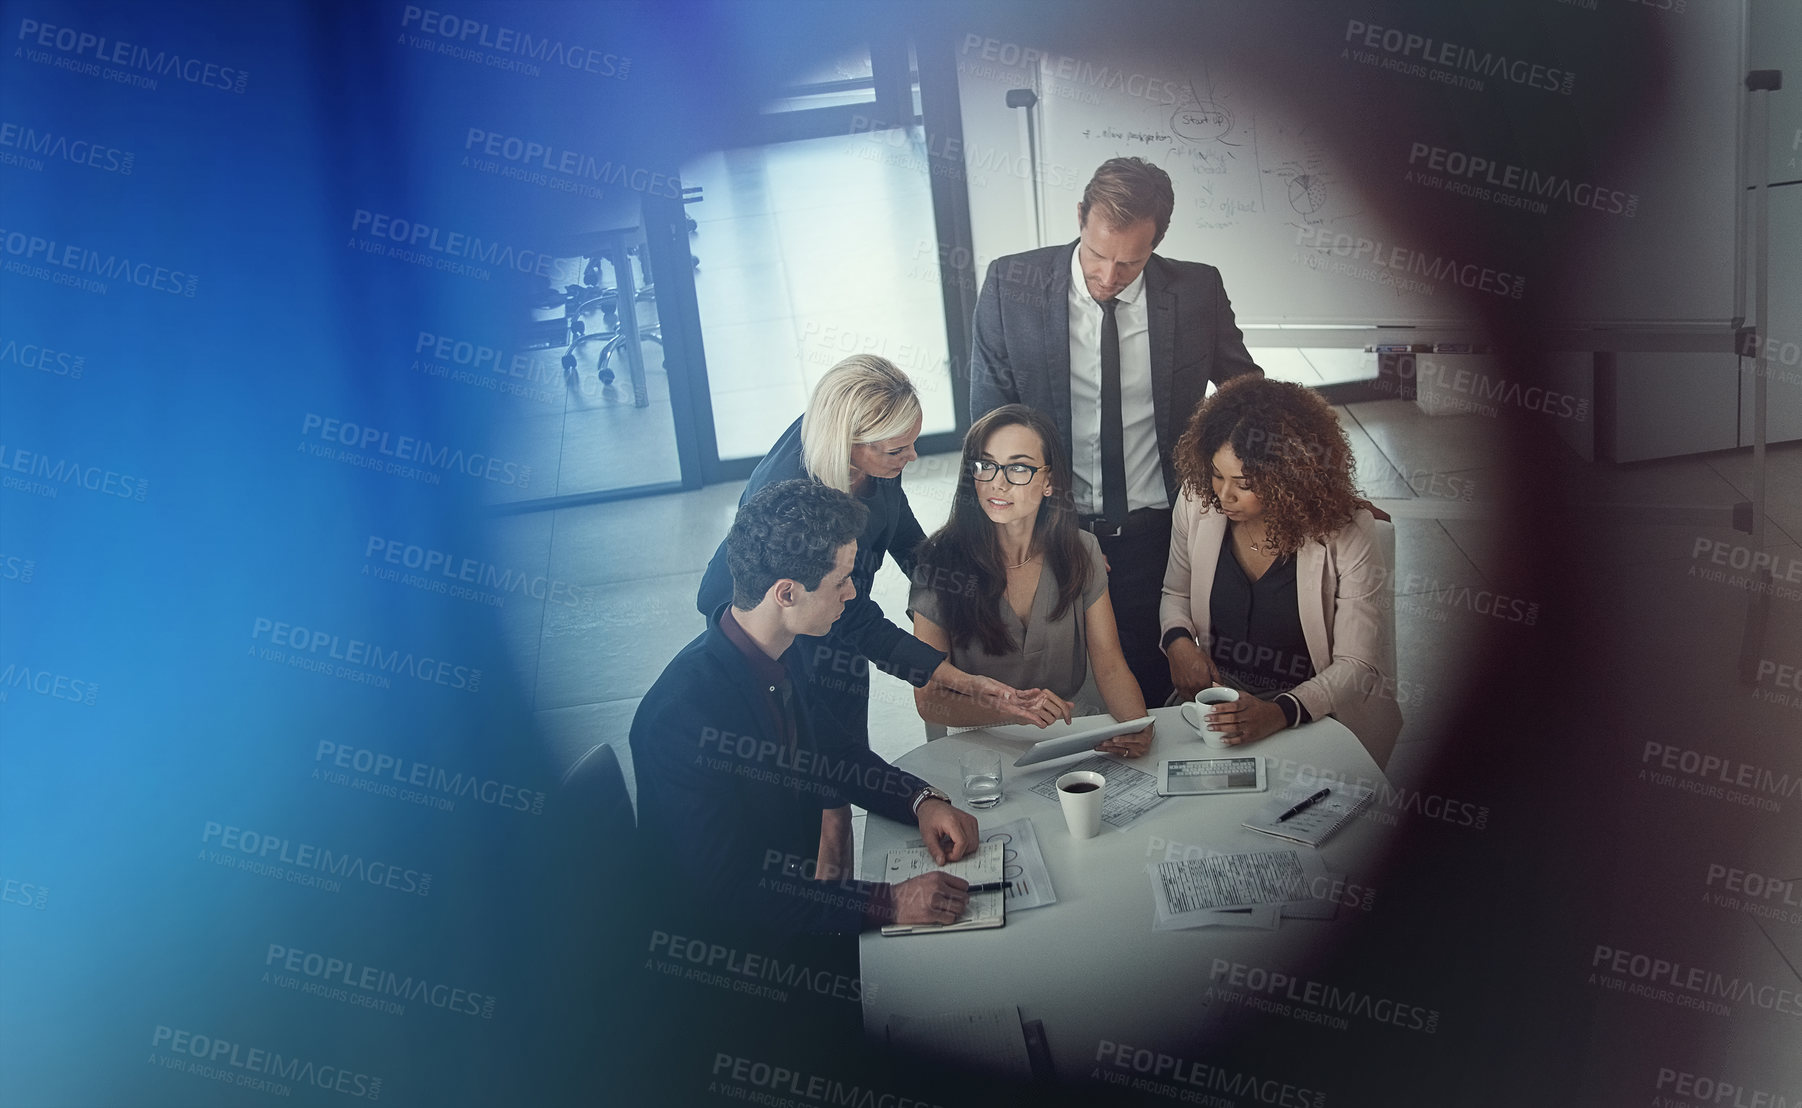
column 982, row 778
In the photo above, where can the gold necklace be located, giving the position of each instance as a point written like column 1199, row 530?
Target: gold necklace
column 1018, row 564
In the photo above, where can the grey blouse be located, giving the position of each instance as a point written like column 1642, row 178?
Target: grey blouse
column 1055, row 654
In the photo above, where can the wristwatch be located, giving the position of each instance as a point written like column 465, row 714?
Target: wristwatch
column 929, row 793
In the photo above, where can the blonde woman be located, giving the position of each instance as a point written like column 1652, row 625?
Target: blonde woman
column 857, row 435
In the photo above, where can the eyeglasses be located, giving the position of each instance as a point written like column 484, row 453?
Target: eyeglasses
column 1018, row 473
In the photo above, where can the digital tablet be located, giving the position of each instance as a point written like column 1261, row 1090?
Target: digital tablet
column 1201, row 776
column 1060, row 739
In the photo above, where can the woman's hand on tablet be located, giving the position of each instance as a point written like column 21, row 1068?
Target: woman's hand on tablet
column 1135, row 745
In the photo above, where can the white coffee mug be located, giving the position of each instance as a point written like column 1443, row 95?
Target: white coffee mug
column 1082, row 807
column 1195, row 713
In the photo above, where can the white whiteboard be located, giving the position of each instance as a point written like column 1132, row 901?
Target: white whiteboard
column 1286, row 202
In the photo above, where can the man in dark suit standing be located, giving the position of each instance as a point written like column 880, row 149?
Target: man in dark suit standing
column 1118, row 345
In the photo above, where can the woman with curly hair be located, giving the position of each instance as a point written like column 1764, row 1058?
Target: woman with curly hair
column 1277, row 584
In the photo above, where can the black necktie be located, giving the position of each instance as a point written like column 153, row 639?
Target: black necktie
column 1113, row 435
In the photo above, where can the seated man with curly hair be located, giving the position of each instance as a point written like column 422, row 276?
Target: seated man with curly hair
column 1277, row 585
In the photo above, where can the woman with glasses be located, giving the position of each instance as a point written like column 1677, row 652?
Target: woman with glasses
column 1277, row 583
column 857, row 435
column 1012, row 588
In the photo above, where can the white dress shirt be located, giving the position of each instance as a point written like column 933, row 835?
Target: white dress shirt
column 1144, row 472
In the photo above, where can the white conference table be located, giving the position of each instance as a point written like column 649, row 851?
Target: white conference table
column 1090, row 966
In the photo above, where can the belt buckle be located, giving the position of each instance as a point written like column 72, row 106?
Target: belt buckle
column 1101, row 529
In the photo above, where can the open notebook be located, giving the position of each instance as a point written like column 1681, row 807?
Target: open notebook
column 981, row 868
column 1312, row 825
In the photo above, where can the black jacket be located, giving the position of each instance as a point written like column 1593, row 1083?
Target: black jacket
column 728, row 815
column 1021, row 353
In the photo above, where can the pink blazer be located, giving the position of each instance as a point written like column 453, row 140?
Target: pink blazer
column 1347, row 618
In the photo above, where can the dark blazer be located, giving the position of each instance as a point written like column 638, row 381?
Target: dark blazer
column 726, row 809
column 841, row 683
column 1021, row 353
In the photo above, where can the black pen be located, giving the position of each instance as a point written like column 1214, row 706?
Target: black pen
column 1304, row 805
column 991, row 887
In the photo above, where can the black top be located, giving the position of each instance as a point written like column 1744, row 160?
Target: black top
column 862, row 631
column 729, row 804
column 1256, row 626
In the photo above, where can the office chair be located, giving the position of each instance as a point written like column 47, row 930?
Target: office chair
column 1385, row 539
column 592, row 824
column 579, row 300
column 592, row 801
